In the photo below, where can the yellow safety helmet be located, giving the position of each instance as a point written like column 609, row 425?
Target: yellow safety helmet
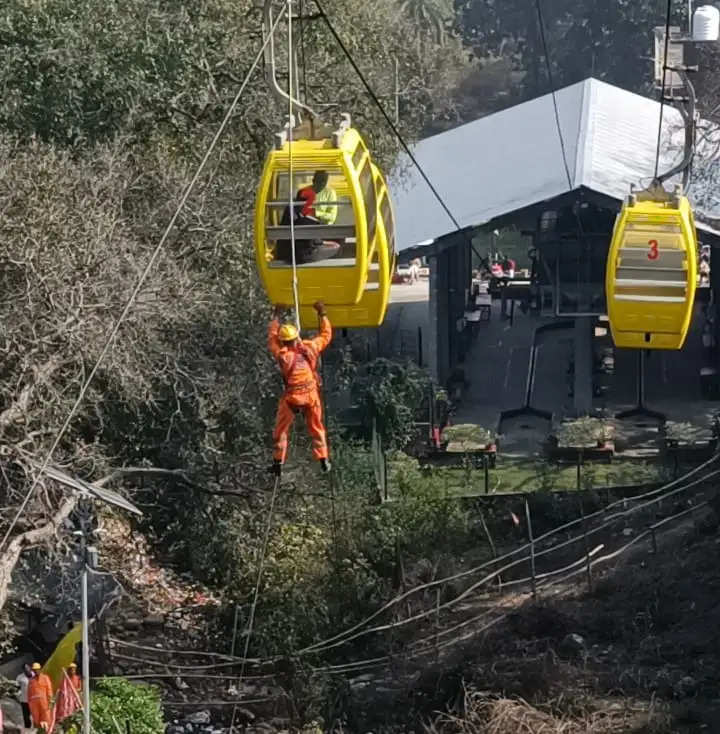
column 36, row 666
column 72, row 665
column 288, row 333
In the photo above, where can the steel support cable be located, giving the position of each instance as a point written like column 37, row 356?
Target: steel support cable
column 131, row 300
column 317, row 647
column 548, row 68
column 563, row 151
column 497, row 572
column 376, row 662
column 393, row 126
column 662, row 87
column 494, row 574
column 256, row 593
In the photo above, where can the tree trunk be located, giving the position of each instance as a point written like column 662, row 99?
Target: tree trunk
column 10, row 557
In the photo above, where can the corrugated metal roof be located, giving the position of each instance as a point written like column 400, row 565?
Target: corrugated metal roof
column 512, row 159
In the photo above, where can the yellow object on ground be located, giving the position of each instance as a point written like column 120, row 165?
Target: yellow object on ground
column 63, row 655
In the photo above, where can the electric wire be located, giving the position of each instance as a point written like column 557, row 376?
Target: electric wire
column 136, row 290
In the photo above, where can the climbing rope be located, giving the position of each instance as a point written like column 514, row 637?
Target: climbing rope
column 291, row 187
column 131, row 300
column 291, row 197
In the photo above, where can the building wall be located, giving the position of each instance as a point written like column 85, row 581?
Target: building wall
column 450, row 274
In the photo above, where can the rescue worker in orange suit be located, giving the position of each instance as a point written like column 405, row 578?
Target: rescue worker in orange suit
column 73, row 676
column 39, row 697
column 297, row 360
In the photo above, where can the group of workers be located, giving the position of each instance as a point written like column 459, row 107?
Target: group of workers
column 316, row 204
column 36, row 695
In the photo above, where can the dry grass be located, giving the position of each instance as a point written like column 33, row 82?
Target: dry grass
column 484, row 714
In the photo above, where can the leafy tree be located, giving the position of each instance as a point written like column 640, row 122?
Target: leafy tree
column 433, row 16
column 104, row 115
column 612, row 41
column 393, row 396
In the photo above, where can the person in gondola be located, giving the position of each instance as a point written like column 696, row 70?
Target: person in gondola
column 316, row 205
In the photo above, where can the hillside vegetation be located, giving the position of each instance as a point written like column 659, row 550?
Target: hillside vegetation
column 106, row 111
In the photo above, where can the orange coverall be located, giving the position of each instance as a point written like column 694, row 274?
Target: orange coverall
column 76, row 681
column 39, row 695
column 297, row 364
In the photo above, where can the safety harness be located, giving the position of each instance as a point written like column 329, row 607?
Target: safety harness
column 303, row 350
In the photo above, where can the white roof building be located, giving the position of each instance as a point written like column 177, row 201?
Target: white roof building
column 512, row 159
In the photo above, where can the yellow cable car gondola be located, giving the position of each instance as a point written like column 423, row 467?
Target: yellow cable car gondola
column 652, row 270
column 370, row 310
column 344, row 239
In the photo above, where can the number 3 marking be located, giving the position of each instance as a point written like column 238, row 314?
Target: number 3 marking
column 653, row 254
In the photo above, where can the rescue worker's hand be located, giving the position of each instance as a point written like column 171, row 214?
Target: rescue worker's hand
column 319, row 306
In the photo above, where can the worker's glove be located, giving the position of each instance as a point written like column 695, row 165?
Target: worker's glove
column 319, row 306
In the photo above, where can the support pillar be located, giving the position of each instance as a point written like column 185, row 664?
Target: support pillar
column 583, row 365
column 433, row 319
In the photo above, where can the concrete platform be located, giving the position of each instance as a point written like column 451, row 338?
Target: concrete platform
column 497, row 368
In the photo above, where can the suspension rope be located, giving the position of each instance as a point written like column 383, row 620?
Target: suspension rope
column 662, row 88
column 131, row 300
column 548, row 68
column 256, row 594
column 291, row 197
column 580, row 229
column 291, row 185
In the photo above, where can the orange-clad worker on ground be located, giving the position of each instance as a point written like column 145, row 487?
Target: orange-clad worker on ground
column 39, row 697
column 73, row 676
column 297, row 359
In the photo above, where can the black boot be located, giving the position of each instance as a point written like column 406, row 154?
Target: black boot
column 276, row 468
column 325, row 465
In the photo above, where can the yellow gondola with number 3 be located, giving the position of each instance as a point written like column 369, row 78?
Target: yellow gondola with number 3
column 652, row 271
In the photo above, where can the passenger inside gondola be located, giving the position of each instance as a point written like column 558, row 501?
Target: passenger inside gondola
column 317, row 205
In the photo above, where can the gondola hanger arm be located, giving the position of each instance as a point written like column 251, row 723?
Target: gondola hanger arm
column 270, row 62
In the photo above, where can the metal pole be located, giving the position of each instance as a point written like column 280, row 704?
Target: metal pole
column 486, row 473
column 85, row 650
column 532, row 548
column 578, row 480
column 690, row 17
column 588, row 569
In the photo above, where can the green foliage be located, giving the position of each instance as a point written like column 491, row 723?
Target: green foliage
column 118, row 700
column 394, row 396
column 422, row 520
column 611, row 41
